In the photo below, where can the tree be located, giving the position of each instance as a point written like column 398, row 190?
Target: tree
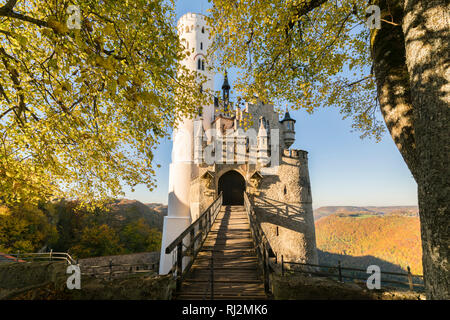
column 138, row 236
column 97, row 241
column 86, row 92
column 26, row 228
column 313, row 53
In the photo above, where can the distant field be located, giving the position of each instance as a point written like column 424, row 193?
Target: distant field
column 367, row 238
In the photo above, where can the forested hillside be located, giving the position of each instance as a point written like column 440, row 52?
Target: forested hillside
column 123, row 226
column 366, row 239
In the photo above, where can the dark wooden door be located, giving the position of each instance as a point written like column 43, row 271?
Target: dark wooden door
column 232, row 184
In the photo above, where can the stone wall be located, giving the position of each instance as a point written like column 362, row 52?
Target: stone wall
column 18, row 277
column 283, row 205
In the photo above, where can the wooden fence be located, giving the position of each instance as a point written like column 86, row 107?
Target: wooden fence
column 343, row 274
column 116, row 270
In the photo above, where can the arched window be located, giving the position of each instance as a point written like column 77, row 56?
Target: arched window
column 203, row 29
column 203, row 65
column 199, row 66
column 187, row 29
column 201, row 45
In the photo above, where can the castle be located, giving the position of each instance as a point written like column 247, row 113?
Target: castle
column 232, row 150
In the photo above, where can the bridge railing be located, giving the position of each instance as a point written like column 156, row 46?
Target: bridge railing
column 264, row 251
column 192, row 240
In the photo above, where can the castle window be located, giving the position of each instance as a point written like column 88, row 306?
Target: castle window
column 203, row 65
column 285, row 190
column 187, row 45
column 187, row 29
column 199, row 64
column 201, row 45
column 203, row 29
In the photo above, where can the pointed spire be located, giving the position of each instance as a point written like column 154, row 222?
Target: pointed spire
column 226, row 85
column 287, row 117
column 262, row 132
column 263, row 146
column 226, row 92
column 199, row 138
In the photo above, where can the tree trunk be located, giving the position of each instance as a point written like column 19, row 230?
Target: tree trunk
column 426, row 26
column 392, row 78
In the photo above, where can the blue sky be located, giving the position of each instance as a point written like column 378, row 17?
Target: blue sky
column 344, row 169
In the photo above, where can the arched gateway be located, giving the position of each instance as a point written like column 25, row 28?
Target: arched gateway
column 232, row 184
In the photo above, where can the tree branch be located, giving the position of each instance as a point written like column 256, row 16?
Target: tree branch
column 7, row 11
column 8, row 6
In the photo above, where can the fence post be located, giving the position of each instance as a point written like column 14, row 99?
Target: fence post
column 410, row 280
column 110, row 269
column 282, row 265
column 51, row 254
column 266, row 271
column 340, row 270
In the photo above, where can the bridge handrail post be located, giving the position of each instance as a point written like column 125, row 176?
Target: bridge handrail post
column 212, row 275
column 179, row 268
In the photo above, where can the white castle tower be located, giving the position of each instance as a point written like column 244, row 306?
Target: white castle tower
column 194, row 34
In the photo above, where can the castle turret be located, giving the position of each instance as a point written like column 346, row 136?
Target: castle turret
column 288, row 130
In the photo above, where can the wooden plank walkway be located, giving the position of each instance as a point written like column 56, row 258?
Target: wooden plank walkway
column 235, row 261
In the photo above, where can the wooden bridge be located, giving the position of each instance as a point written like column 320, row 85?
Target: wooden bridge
column 222, row 255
